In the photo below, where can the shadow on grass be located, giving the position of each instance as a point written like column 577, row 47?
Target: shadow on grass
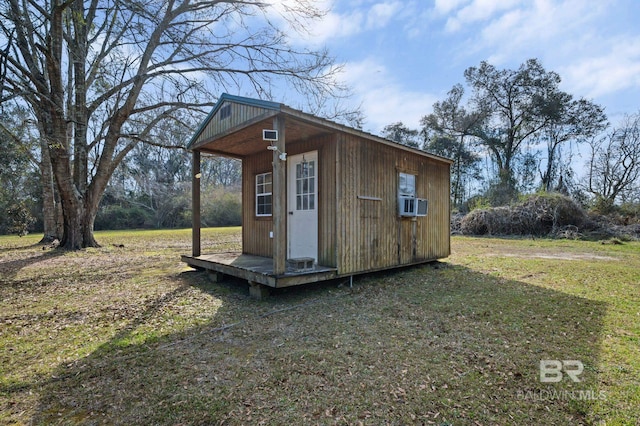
column 10, row 268
column 422, row 345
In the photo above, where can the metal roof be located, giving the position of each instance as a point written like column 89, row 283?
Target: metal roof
column 303, row 117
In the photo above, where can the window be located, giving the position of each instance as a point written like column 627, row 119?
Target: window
column 408, row 203
column 264, row 184
column 305, row 185
column 407, row 186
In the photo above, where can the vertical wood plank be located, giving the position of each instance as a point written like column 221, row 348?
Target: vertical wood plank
column 195, row 203
column 279, row 200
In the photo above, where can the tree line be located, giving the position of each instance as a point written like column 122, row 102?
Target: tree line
column 98, row 98
column 516, row 132
column 150, row 188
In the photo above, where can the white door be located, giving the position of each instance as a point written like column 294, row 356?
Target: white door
column 302, row 205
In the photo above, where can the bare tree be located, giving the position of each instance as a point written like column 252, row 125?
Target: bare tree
column 614, row 163
column 99, row 75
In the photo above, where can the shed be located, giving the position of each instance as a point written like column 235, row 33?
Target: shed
column 320, row 200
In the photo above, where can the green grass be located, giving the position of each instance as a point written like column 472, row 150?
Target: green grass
column 130, row 335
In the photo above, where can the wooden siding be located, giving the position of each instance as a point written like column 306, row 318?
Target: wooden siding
column 255, row 230
column 371, row 235
column 239, row 116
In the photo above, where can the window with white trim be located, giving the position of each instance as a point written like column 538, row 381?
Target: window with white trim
column 408, row 202
column 407, row 185
column 264, row 199
column 406, row 194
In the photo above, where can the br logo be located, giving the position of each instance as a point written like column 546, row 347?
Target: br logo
column 551, row 370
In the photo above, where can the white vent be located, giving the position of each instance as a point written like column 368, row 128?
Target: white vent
column 410, row 206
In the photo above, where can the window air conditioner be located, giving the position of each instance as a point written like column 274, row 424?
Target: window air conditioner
column 410, row 206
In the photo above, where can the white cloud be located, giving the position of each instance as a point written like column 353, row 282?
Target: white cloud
column 443, row 7
column 384, row 100
column 381, row 13
column 478, row 10
column 569, row 36
column 542, row 27
column 612, row 71
column 337, row 26
column 570, row 39
column 359, row 18
column 311, row 22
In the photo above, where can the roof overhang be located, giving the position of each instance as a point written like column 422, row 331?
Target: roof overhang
column 246, row 138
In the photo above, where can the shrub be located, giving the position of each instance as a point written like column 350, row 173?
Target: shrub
column 221, row 207
column 19, row 218
column 119, row 217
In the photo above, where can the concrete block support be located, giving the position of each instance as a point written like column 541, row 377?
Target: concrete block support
column 258, row 291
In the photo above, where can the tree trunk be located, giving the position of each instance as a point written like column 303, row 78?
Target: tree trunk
column 549, row 175
column 51, row 211
column 78, row 224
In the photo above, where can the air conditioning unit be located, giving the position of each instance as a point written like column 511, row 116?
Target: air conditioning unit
column 422, row 207
column 410, row 206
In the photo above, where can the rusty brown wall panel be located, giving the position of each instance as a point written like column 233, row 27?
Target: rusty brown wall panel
column 371, row 235
column 255, row 230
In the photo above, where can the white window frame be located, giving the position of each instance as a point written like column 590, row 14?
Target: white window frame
column 407, row 191
column 262, row 193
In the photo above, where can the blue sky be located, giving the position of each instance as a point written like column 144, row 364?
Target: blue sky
column 401, row 56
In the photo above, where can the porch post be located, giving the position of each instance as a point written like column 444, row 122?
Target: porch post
column 195, row 204
column 279, row 201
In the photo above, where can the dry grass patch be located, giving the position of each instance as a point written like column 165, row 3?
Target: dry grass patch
column 129, row 336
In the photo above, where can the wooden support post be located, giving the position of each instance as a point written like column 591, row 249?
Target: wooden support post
column 279, row 201
column 195, row 204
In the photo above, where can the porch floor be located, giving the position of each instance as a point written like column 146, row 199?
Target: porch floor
column 257, row 269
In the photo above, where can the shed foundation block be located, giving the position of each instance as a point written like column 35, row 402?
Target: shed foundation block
column 258, row 291
column 214, row 276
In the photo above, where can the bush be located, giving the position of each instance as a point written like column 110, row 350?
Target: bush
column 539, row 214
column 603, row 206
column 119, row 217
column 477, row 202
column 221, row 208
column 630, row 213
column 19, row 218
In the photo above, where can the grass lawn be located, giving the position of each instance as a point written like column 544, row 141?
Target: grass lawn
column 127, row 334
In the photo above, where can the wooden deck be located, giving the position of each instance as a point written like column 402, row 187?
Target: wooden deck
column 257, row 269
